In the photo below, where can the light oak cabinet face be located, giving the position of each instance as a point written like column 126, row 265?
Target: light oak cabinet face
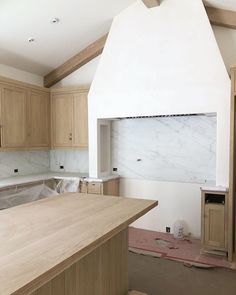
column 215, row 226
column 62, row 119
column 38, row 119
column 13, row 117
column 214, row 221
column 70, row 120
column 80, row 131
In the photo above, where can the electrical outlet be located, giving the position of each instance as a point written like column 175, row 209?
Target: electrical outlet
column 168, row 229
column 114, row 169
column 16, row 170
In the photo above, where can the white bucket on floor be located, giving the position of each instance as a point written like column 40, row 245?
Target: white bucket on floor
column 178, row 229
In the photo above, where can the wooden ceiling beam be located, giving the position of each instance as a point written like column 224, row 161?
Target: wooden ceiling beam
column 75, row 62
column 151, row 3
column 221, row 17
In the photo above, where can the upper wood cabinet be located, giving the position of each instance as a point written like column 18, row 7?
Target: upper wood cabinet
column 70, row 118
column 80, row 113
column 38, row 119
column 25, row 117
column 13, row 117
column 33, row 117
column 62, row 120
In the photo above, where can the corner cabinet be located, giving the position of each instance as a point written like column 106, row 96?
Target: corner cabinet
column 69, row 115
column 24, row 118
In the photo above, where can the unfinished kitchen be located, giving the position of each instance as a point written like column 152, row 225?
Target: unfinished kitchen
column 117, row 147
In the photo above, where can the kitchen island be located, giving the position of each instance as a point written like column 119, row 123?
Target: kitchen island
column 72, row 244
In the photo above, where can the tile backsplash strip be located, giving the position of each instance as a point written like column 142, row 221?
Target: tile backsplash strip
column 69, row 161
column 179, row 149
column 26, row 162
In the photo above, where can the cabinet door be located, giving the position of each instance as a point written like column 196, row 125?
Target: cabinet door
column 80, row 132
column 214, row 226
column 38, row 119
column 13, row 117
column 62, row 120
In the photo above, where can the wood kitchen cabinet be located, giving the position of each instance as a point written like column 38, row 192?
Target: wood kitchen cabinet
column 109, row 187
column 24, row 115
column 214, row 220
column 62, row 120
column 69, row 118
column 38, row 129
column 13, row 117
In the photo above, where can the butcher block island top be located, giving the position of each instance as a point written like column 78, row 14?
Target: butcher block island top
column 39, row 240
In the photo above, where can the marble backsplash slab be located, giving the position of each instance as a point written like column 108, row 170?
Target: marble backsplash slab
column 179, row 149
column 27, row 162
column 71, row 160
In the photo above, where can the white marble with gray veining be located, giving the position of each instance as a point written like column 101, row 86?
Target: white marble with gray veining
column 72, row 160
column 27, row 162
column 180, row 149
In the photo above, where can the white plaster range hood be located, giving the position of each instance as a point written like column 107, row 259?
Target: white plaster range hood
column 161, row 61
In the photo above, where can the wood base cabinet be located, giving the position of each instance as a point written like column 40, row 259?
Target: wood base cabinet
column 109, row 187
column 214, row 220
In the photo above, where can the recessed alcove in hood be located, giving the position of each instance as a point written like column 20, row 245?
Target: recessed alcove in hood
column 161, row 61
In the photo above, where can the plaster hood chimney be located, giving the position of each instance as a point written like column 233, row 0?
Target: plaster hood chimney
column 161, row 61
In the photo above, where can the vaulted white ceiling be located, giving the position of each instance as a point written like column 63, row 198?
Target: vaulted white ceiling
column 81, row 23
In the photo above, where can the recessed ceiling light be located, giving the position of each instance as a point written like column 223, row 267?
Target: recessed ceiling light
column 31, row 40
column 55, row 20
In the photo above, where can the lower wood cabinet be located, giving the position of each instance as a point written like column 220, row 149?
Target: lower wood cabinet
column 214, row 220
column 110, row 187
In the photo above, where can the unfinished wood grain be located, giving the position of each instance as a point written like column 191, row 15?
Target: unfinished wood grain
column 77, row 61
column 136, row 293
column 80, row 114
column 44, row 290
column 214, row 222
column 38, row 119
column 221, row 17
column 69, row 122
column 42, row 239
column 232, row 171
column 101, row 272
column 111, row 187
column 13, row 117
column 151, row 3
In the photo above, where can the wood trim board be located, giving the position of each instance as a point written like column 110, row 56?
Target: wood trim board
column 221, row 17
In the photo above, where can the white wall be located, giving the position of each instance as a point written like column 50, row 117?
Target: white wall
column 162, row 61
column 154, row 63
column 177, row 201
column 13, row 73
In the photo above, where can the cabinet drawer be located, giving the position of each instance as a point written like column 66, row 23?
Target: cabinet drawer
column 94, row 188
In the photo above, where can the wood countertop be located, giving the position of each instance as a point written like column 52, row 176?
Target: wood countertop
column 39, row 240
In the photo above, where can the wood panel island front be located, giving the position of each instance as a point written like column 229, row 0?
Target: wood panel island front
column 72, row 244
